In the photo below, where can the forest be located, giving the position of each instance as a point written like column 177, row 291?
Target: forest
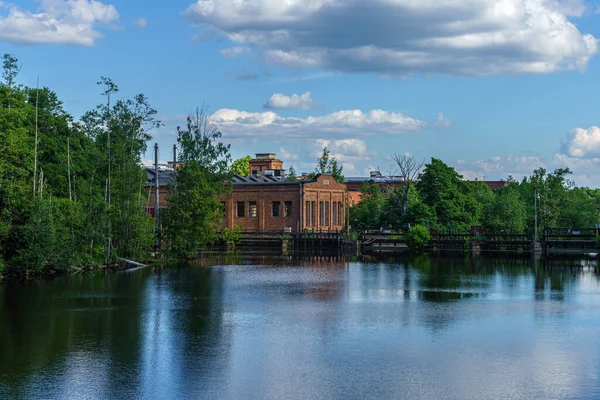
column 72, row 191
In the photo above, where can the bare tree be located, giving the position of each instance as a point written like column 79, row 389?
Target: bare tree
column 409, row 169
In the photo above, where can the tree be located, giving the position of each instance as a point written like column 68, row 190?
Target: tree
column 443, row 189
column 241, row 166
column 367, row 213
column 506, row 211
column 328, row 165
column 291, row 175
column 409, row 169
column 195, row 211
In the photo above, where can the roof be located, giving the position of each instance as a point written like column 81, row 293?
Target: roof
column 262, row 180
column 165, row 177
column 382, row 179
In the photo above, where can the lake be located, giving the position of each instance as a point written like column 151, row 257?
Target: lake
column 308, row 328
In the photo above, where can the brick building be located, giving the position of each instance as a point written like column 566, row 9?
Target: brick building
column 266, row 162
column 270, row 204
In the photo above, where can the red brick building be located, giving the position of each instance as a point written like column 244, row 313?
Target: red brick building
column 266, row 162
column 269, row 204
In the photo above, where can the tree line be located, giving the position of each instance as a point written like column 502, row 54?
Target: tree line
column 434, row 195
column 71, row 191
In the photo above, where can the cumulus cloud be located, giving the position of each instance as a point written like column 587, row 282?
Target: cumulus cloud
column 280, row 101
column 140, row 22
column 583, row 143
column 400, row 37
column 57, row 21
column 353, row 123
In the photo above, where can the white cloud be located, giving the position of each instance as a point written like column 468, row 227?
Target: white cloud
column 280, row 101
column 140, row 22
column 497, row 168
column 287, row 156
column 583, row 143
column 352, row 123
column 57, row 21
column 400, row 37
column 235, row 51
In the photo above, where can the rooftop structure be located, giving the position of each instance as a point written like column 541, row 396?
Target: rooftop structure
column 266, row 164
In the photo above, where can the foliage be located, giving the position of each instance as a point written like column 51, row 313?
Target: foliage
column 195, row 212
column 291, row 175
column 87, row 206
column 367, row 213
column 505, row 211
column 232, row 236
column 418, row 237
column 241, row 166
column 328, row 165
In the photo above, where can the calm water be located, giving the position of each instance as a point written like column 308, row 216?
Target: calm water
column 320, row 329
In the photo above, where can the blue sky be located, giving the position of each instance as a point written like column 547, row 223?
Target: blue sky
column 494, row 88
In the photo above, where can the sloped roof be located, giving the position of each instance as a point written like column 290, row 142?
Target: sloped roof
column 261, row 180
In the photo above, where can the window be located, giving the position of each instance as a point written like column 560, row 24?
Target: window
column 341, row 218
column 287, row 209
column 241, row 213
column 307, row 216
column 321, row 210
column 326, row 213
column 313, row 215
column 334, row 214
column 276, row 209
column 254, row 172
column 252, row 209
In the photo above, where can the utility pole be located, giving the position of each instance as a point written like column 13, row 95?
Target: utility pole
column 535, row 216
column 174, row 167
column 156, row 203
column 37, row 98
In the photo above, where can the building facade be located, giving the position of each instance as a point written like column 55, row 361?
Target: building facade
column 269, row 204
column 264, row 162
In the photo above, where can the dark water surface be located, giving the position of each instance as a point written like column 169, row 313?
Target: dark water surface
column 320, row 329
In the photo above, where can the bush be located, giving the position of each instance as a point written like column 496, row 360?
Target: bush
column 232, row 236
column 418, row 237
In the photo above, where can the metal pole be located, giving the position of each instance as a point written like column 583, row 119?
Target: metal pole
column 535, row 215
column 156, row 199
column 174, row 166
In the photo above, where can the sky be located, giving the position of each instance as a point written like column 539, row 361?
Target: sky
column 493, row 88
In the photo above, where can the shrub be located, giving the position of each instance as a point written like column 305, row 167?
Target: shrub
column 232, row 236
column 418, row 237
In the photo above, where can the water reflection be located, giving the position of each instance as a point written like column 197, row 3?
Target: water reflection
column 298, row 327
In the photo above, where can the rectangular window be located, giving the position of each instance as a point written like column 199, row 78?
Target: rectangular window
column 241, row 213
column 307, row 215
column 326, row 213
column 252, row 209
column 254, row 172
column 341, row 218
column 276, row 209
column 321, row 210
column 313, row 215
column 334, row 214
column 287, row 209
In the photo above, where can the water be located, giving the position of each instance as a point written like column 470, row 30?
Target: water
column 321, row 329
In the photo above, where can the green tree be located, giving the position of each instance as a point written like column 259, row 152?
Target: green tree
column 452, row 199
column 328, row 165
column 506, row 211
column 195, row 211
column 291, row 175
column 241, row 166
column 367, row 213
